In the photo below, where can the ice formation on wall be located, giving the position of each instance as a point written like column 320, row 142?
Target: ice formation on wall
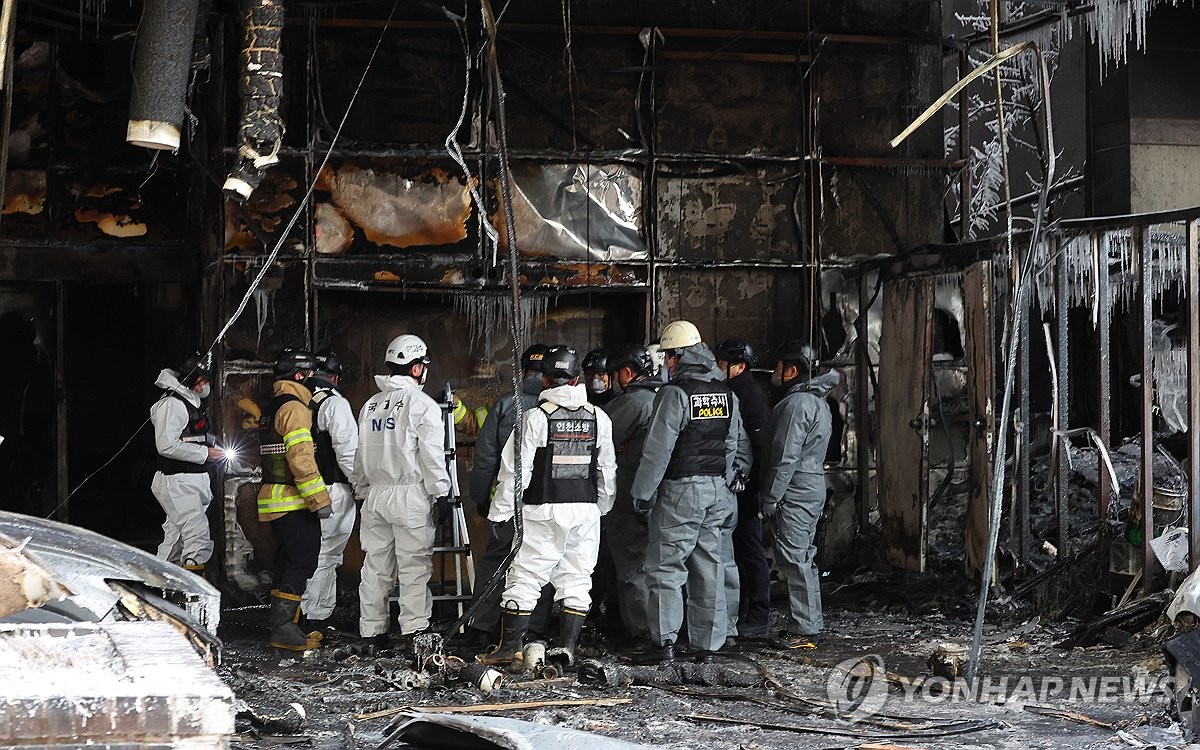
column 489, row 317
column 1112, row 26
column 1170, row 378
column 1117, row 255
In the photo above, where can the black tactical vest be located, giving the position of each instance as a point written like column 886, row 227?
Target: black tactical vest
column 564, row 471
column 700, row 448
column 193, row 432
column 327, row 462
column 272, row 451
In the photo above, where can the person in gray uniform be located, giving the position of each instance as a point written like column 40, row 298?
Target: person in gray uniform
column 626, row 529
column 694, row 445
column 793, row 484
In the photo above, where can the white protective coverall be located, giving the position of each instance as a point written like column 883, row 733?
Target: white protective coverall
column 400, row 469
column 184, row 497
column 562, row 540
column 334, row 416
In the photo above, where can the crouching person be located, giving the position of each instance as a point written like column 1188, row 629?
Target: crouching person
column 568, row 481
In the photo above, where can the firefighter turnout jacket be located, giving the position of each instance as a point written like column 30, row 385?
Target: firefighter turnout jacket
column 291, row 477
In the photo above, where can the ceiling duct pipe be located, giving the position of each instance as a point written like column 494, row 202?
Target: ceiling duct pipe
column 260, row 132
column 161, row 65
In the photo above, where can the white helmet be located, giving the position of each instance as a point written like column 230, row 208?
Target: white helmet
column 406, row 349
column 679, row 335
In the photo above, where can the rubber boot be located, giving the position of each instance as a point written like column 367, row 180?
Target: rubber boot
column 514, row 625
column 285, row 633
column 563, row 652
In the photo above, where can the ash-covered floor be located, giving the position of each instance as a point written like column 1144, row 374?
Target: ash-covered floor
column 1038, row 694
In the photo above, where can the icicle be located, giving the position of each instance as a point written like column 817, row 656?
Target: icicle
column 1113, row 22
column 264, row 306
column 488, row 313
column 1169, row 363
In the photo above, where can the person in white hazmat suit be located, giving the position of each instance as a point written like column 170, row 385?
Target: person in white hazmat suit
column 335, row 441
column 181, row 483
column 400, row 470
column 568, row 481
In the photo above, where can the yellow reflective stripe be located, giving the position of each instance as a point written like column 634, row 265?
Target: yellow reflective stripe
column 311, row 487
column 481, row 415
column 268, row 505
column 278, row 502
column 460, row 411
column 302, row 435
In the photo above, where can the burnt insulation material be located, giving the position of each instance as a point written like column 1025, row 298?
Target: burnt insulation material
column 261, row 88
column 161, row 64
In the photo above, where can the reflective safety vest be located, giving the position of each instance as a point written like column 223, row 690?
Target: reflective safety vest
column 479, row 414
column 327, row 462
column 700, row 448
column 194, row 432
column 273, row 453
column 564, row 470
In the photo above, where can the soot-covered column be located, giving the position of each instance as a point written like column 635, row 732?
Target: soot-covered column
column 260, row 133
column 162, row 62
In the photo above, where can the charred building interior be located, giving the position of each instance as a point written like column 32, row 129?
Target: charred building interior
column 978, row 219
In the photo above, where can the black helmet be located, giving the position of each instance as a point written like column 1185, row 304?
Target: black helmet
column 328, row 363
column 596, row 361
column 561, row 363
column 798, row 352
column 736, row 349
column 633, row 356
column 531, row 358
column 194, row 366
column 291, row 361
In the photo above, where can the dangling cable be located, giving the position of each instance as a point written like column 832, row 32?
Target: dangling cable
column 452, row 147
column 510, row 235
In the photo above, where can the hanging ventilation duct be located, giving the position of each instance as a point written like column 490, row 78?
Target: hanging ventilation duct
column 161, row 65
column 260, row 132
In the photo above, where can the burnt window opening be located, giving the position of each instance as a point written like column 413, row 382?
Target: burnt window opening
column 837, row 433
column 947, row 338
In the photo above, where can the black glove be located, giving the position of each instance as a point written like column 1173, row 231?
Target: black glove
column 485, row 504
column 443, row 507
column 642, row 506
column 767, row 510
column 325, row 512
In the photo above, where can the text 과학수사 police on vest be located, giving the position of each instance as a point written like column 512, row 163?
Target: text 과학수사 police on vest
column 710, row 405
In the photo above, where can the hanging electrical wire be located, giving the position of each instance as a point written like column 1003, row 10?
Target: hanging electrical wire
column 492, row 74
column 452, row 146
column 1011, row 340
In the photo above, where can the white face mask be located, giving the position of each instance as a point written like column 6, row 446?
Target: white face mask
column 598, row 385
column 204, row 391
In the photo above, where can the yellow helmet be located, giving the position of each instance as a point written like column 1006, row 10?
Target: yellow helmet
column 679, row 334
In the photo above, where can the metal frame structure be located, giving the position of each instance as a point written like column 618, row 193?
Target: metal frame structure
column 1099, row 230
column 425, row 270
